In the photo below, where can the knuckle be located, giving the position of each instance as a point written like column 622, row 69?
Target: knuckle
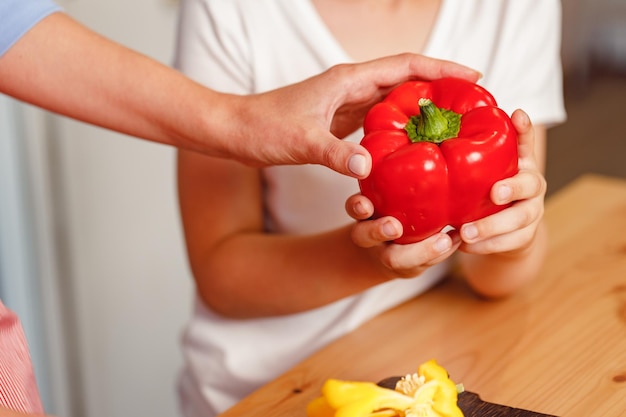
column 395, row 264
column 332, row 153
column 393, row 261
column 342, row 73
column 525, row 218
column 359, row 236
column 483, row 227
column 540, row 183
column 388, row 260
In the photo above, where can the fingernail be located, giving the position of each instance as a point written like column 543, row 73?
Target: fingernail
column 526, row 118
column 504, row 193
column 443, row 244
column 389, row 230
column 469, row 232
column 357, row 165
column 359, row 209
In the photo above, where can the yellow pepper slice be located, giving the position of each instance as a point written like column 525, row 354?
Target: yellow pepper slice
column 428, row 393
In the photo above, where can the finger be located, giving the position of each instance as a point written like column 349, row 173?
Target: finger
column 526, row 135
column 359, row 207
column 426, row 68
column 410, row 260
column 346, row 158
column 524, row 185
column 370, row 233
column 404, row 67
column 520, row 215
column 363, row 81
column 514, row 241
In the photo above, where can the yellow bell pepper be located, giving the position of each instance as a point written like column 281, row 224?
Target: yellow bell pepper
column 427, row 393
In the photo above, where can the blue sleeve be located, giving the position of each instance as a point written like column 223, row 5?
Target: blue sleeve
column 18, row 16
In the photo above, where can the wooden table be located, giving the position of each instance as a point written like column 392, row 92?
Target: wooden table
column 558, row 347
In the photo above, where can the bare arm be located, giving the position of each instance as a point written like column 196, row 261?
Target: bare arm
column 243, row 271
column 64, row 67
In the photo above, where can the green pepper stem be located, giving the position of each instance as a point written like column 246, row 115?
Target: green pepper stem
column 433, row 124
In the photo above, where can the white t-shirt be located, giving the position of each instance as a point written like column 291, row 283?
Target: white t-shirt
column 249, row 46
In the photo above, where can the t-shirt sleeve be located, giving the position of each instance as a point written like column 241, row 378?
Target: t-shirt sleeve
column 528, row 74
column 18, row 16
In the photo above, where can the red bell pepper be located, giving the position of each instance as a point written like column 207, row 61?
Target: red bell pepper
column 437, row 149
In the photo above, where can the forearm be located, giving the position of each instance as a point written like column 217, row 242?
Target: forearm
column 501, row 274
column 255, row 275
column 62, row 66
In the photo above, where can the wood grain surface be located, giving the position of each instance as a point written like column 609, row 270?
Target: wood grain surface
column 558, row 347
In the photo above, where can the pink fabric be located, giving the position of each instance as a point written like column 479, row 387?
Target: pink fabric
column 18, row 388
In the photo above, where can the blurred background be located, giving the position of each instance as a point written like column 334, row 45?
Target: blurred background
column 91, row 251
column 594, row 64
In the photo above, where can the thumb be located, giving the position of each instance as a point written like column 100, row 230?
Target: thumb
column 525, row 133
column 346, row 158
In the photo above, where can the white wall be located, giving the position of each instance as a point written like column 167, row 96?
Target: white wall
column 20, row 283
column 123, row 268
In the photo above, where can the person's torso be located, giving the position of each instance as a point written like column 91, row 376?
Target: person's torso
column 268, row 44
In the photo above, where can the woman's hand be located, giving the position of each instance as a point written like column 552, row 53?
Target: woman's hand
column 511, row 230
column 297, row 124
column 397, row 261
column 301, row 123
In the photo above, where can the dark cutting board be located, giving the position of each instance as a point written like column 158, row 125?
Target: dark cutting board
column 473, row 406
